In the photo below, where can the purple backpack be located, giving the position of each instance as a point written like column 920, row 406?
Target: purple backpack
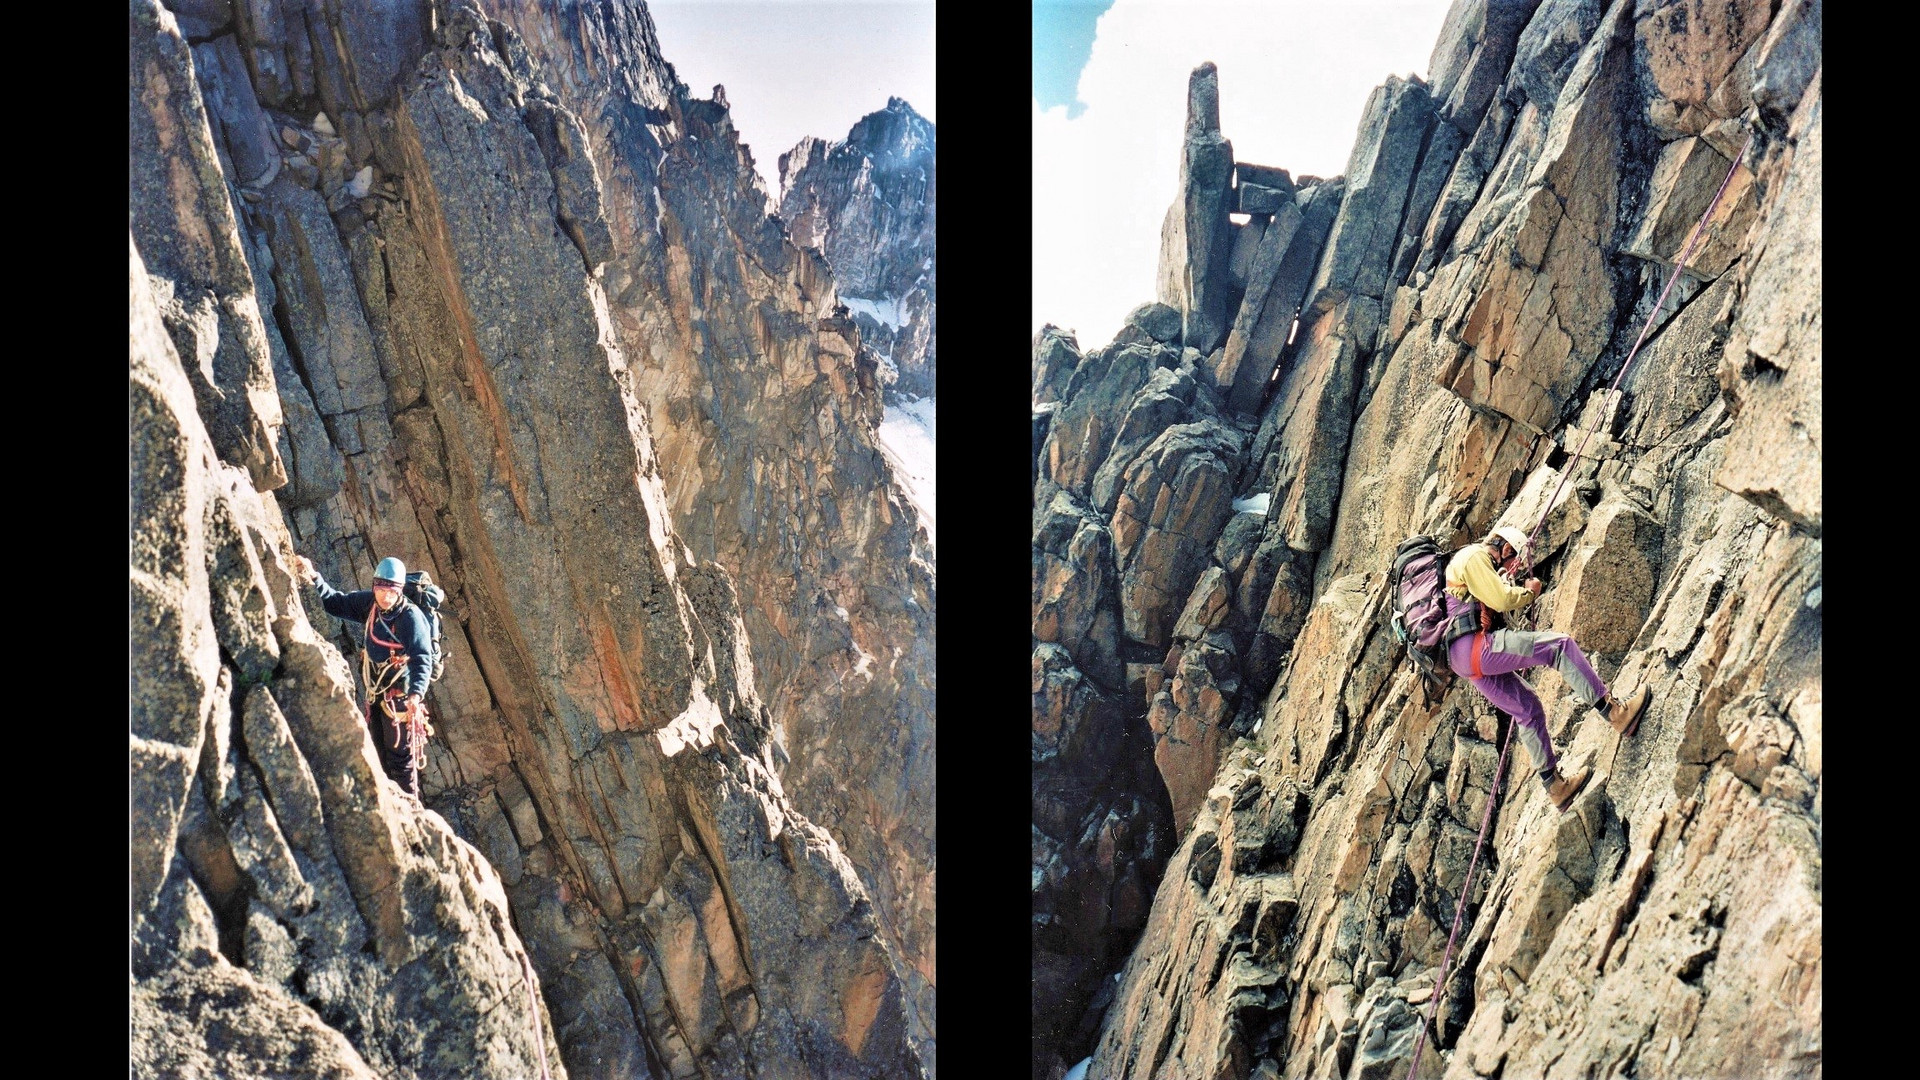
column 1419, row 609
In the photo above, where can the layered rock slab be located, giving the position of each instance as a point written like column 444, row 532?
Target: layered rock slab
column 762, row 403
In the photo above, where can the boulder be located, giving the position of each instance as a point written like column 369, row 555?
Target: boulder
column 1056, row 353
column 1380, row 173
column 1472, row 57
column 1606, row 589
column 1265, row 176
column 1685, row 180
column 1259, row 200
column 1172, row 502
column 1159, row 321
column 1277, row 279
column 1075, row 585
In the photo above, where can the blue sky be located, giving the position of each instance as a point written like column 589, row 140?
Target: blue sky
column 1062, row 42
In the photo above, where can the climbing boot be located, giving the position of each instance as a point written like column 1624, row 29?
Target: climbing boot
column 1562, row 787
column 1625, row 715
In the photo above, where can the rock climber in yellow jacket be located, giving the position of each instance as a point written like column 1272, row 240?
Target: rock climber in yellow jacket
column 1479, row 580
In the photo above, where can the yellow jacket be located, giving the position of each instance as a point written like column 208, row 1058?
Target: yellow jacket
column 1471, row 571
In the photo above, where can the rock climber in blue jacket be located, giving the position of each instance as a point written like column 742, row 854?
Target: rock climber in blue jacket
column 396, row 664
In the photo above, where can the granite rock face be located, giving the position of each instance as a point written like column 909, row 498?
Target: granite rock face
column 531, row 328
column 867, row 204
column 292, row 913
column 1495, row 247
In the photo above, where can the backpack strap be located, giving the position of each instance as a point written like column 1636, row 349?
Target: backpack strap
column 1465, row 623
column 386, row 678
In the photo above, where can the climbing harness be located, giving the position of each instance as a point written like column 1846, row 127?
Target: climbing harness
column 1493, row 797
column 1476, row 620
column 415, row 724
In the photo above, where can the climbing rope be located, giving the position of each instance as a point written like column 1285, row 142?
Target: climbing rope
column 533, row 1003
column 1646, row 328
column 381, row 681
column 1493, row 797
column 382, row 677
column 413, row 723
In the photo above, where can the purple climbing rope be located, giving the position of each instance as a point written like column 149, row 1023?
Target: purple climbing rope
column 533, row 1003
column 1646, row 328
column 1500, row 770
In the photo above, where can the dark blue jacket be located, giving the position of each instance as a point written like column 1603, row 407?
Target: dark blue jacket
column 406, row 624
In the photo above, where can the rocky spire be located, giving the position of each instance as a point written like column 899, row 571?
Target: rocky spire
column 1193, row 242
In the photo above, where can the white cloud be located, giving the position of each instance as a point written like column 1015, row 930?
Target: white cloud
column 1294, row 77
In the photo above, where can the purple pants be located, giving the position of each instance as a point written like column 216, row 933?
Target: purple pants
column 1508, row 651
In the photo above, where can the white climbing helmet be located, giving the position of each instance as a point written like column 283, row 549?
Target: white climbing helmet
column 1515, row 538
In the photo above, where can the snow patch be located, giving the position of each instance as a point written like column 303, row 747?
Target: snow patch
column 693, row 727
column 906, row 438
column 1256, row 505
column 884, row 311
column 865, row 667
column 1079, row 1072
